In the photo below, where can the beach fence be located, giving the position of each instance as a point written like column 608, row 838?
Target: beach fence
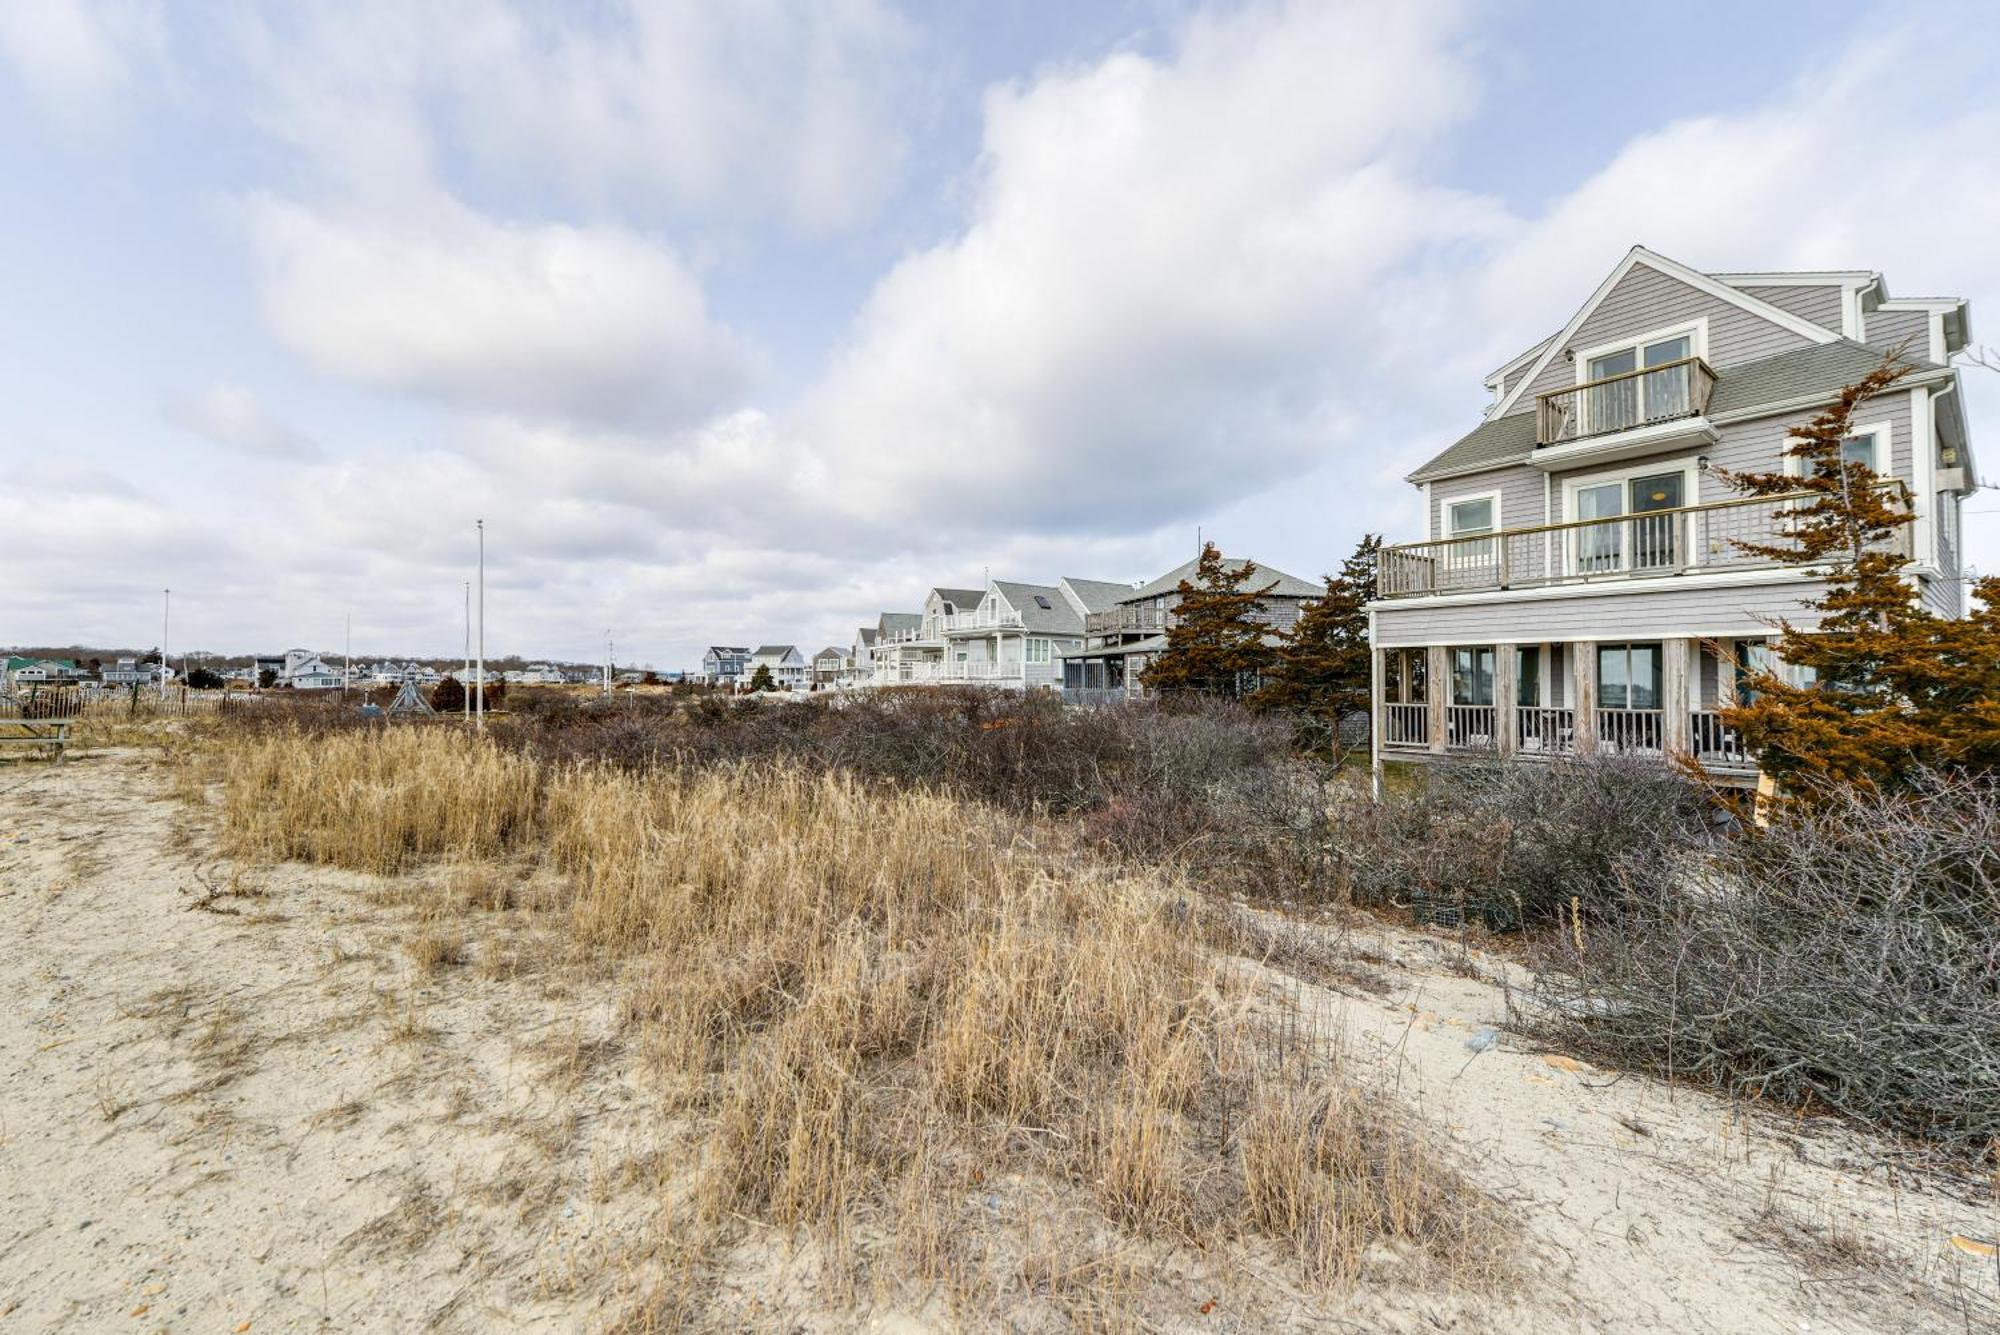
column 143, row 702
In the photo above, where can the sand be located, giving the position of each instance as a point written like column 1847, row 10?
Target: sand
column 231, row 1100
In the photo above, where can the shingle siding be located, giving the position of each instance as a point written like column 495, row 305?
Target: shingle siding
column 1646, row 299
column 1889, row 330
column 1818, row 302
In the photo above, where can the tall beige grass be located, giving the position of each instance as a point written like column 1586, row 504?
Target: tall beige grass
column 882, row 1009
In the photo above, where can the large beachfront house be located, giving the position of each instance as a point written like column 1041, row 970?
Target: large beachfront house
column 725, row 664
column 788, row 666
column 1582, row 584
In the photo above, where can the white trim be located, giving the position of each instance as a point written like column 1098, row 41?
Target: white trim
column 1923, row 468
column 1605, row 588
column 1501, row 374
column 1636, row 443
column 1430, row 514
column 1804, row 278
column 1445, row 508
column 1695, row 331
column 1701, row 282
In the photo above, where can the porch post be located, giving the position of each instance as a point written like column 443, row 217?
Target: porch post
column 1725, row 674
column 1506, row 677
column 1583, row 674
column 1437, row 690
column 1674, row 722
column 1377, row 713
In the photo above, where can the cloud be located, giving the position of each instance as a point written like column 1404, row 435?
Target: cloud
column 79, row 59
column 1173, row 281
column 233, row 416
column 590, row 322
column 739, row 112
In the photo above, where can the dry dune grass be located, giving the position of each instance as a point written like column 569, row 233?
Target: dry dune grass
column 890, row 1019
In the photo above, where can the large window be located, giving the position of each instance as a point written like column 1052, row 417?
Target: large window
column 1868, row 446
column 1528, row 676
column 1038, row 651
column 1648, row 538
column 1651, row 384
column 1472, row 675
column 1628, row 676
column 1469, row 517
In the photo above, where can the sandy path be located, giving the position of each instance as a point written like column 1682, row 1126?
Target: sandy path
column 1664, row 1209
column 251, row 1111
column 214, row 1118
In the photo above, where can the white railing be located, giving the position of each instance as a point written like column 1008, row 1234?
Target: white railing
column 1544, row 732
column 1406, row 727
column 982, row 620
column 1636, row 730
column 1009, row 671
column 1471, row 728
column 1715, row 744
column 1711, row 536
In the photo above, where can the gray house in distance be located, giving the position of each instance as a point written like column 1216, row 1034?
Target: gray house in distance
column 1582, row 585
column 725, row 665
column 1128, row 629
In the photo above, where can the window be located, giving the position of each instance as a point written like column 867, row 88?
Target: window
column 1467, row 517
column 1647, row 382
column 1628, row 676
column 1038, row 651
column 1472, row 675
column 1869, row 447
column 1528, row 676
column 1403, row 674
column 1042, row 601
column 1649, row 538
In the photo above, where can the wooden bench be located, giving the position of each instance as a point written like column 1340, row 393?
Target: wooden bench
column 50, row 735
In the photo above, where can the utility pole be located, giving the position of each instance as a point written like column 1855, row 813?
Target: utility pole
column 481, row 709
column 607, row 662
column 347, row 670
column 166, row 617
column 465, row 696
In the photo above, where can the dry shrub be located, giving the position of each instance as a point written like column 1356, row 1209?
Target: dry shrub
column 868, row 998
column 1845, row 958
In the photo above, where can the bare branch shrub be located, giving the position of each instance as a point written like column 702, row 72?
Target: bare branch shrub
column 1847, row 957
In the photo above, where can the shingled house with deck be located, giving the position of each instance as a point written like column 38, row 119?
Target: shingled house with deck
column 1583, row 584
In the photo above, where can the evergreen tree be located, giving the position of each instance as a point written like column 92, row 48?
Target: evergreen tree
column 448, row 696
column 1215, row 646
column 761, row 679
column 1323, row 668
column 1894, row 689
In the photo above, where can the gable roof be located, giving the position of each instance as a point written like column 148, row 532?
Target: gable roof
column 1288, row 586
column 720, row 649
column 1058, row 616
column 868, row 634
column 1765, row 385
column 960, row 597
column 775, row 650
column 1097, row 595
column 890, row 622
column 829, row 651
column 1634, row 257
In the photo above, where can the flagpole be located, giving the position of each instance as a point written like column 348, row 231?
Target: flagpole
column 481, row 711
column 465, row 696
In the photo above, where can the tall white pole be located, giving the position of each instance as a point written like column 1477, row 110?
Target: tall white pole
column 607, row 662
column 166, row 617
column 347, row 669
column 465, row 696
column 481, row 709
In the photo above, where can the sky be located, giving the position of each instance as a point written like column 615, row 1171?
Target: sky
column 743, row 323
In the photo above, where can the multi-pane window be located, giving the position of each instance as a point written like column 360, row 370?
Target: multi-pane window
column 1038, row 651
column 1472, row 675
column 1628, row 676
column 1627, row 398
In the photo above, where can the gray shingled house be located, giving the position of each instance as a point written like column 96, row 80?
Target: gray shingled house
column 1582, row 585
column 1122, row 638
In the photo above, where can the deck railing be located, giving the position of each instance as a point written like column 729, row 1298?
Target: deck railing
column 1638, row 730
column 1406, row 726
column 1715, row 744
column 981, row 620
column 1710, row 536
column 1620, row 402
column 1133, row 620
column 1471, row 728
column 1544, row 732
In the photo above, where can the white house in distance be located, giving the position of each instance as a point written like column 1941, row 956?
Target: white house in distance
column 788, row 666
column 313, row 674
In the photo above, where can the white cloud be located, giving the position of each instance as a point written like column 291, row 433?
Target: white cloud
column 78, row 58
column 544, row 319
column 234, row 416
column 1173, row 283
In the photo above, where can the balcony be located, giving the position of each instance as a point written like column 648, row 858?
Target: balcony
column 1541, row 733
column 1685, row 540
column 982, row 620
column 1129, row 621
column 1674, row 391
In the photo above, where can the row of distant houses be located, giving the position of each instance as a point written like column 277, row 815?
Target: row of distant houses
column 28, row 673
column 295, row 669
column 1077, row 635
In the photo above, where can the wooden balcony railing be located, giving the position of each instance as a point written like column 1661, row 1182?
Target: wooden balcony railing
column 1129, row 620
column 1711, row 536
column 1621, row 402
